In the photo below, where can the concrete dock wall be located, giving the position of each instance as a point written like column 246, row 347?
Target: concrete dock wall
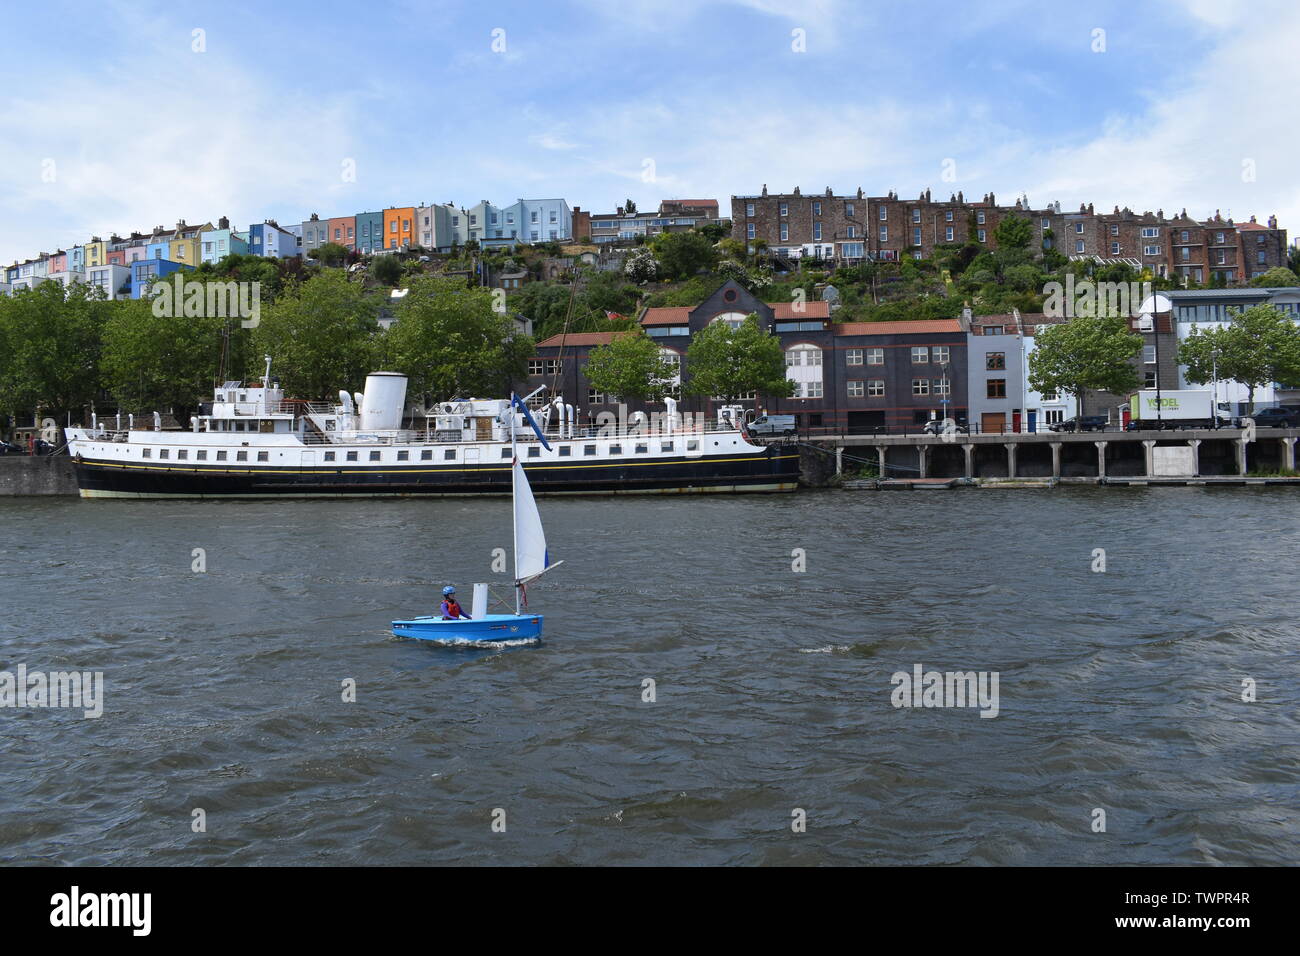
column 39, row 475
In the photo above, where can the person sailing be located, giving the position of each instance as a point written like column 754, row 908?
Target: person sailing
column 450, row 608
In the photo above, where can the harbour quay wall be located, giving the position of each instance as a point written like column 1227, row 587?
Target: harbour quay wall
column 36, row 475
column 1086, row 456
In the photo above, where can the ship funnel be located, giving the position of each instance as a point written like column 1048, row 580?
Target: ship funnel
column 383, row 401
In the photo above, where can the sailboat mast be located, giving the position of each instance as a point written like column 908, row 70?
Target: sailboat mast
column 514, row 515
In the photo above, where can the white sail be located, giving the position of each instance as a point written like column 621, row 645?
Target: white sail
column 531, row 559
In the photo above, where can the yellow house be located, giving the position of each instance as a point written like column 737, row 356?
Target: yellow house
column 185, row 244
column 96, row 252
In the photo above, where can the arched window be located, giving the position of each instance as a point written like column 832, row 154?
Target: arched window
column 733, row 319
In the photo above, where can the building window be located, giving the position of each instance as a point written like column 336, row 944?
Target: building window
column 852, row 232
column 942, row 386
column 875, row 356
column 920, row 386
column 916, row 236
column 979, row 217
column 884, row 233
column 939, row 354
column 817, row 208
column 785, row 209
column 981, row 235
column 995, row 361
column 1078, row 228
column 1078, row 245
column 884, row 214
column 947, row 234
column 1149, row 379
column 1149, row 354
column 595, row 397
column 920, row 354
column 749, row 210
column 817, row 232
column 876, row 388
column 947, row 216
column 749, row 230
column 853, row 357
column 856, row 388
column 997, row 388
column 785, row 232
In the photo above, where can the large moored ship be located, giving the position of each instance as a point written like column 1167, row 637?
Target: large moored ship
column 252, row 442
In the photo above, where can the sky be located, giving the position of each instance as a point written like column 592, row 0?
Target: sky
column 118, row 116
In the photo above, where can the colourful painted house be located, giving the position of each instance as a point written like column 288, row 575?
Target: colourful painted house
column 399, row 227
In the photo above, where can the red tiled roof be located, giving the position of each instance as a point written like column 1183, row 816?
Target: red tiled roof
column 579, row 338
column 1251, row 225
column 912, row 327
column 666, row 316
column 811, row 310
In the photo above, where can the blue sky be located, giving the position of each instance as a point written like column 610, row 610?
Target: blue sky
column 112, row 121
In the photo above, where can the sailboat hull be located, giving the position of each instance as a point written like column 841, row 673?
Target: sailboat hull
column 490, row 627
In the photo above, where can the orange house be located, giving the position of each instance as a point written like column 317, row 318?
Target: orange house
column 343, row 230
column 399, row 227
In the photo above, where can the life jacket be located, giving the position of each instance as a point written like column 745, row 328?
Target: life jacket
column 453, row 609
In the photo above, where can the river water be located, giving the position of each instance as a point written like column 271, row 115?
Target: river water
column 772, row 737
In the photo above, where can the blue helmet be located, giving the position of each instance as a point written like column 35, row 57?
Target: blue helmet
column 448, row 590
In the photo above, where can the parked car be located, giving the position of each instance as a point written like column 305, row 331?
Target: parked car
column 1276, row 417
column 772, row 425
column 1086, row 423
column 935, row 426
column 9, row 448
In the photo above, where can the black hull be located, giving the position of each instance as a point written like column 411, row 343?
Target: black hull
column 777, row 469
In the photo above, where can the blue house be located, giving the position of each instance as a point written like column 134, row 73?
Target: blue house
column 370, row 232
column 145, row 271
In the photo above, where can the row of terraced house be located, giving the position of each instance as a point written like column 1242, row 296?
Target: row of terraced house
column 123, row 266
column 854, row 228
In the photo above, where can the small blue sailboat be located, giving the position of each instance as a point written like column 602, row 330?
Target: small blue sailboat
column 531, row 561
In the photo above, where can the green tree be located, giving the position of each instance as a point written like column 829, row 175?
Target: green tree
column 50, row 342
column 330, row 254
column 1083, row 354
column 387, row 270
column 1014, row 232
column 1256, row 347
column 321, row 335
column 730, row 362
column 631, row 366
column 1277, row 277
column 683, row 254
column 153, row 362
column 450, row 343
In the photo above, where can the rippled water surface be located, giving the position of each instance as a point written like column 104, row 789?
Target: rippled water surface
column 1118, row 690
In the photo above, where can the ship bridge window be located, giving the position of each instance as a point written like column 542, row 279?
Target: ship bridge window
column 164, row 453
column 665, row 446
column 449, row 454
column 220, row 397
column 426, row 455
column 616, row 449
column 403, row 456
column 201, row 454
column 352, row 456
column 505, row 452
column 146, row 453
column 221, row 456
column 241, row 456
column 642, row 449
column 182, row 454
column 374, row 456
column 589, row 449
column 329, row 456
column 263, row 456
column 534, row 451
column 566, row 451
